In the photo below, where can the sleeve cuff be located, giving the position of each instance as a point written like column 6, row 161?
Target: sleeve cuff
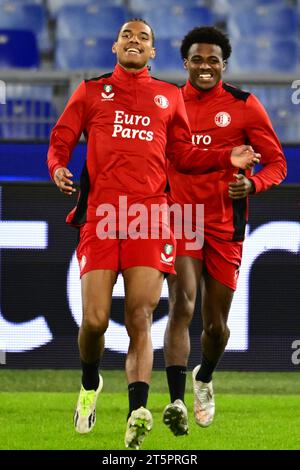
column 53, row 170
column 255, row 183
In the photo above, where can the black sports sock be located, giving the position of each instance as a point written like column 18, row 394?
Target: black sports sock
column 176, row 376
column 137, row 395
column 206, row 370
column 90, row 375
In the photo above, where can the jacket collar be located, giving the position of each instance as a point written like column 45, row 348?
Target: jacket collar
column 123, row 74
column 190, row 92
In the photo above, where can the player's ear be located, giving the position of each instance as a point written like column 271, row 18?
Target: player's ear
column 153, row 53
column 114, row 48
column 224, row 65
column 185, row 63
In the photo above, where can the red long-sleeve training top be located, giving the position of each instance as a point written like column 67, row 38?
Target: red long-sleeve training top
column 131, row 121
column 226, row 117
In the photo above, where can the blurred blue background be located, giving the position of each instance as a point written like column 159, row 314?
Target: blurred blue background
column 48, row 46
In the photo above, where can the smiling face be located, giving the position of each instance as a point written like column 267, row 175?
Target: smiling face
column 205, row 65
column 134, row 46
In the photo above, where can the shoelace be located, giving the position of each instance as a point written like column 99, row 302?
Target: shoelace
column 204, row 396
column 87, row 399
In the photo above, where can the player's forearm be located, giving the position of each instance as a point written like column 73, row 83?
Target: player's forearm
column 199, row 161
column 67, row 131
column 62, row 143
column 58, row 157
column 271, row 175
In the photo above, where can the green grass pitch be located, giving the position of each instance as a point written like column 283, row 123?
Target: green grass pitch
column 253, row 411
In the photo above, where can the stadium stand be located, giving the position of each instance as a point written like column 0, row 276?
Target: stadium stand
column 28, row 114
column 263, row 21
column 175, row 21
column 67, row 40
column 18, row 48
column 26, row 16
column 167, row 55
column 264, row 55
column 141, row 6
column 95, row 53
column 54, row 6
column 81, row 21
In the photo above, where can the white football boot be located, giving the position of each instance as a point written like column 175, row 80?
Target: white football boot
column 85, row 413
column 204, row 402
column 175, row 416
column 139, row 424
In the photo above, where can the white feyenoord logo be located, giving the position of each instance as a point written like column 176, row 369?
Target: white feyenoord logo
column 222, row 119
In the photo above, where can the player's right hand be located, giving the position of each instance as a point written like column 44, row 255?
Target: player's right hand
column 62, row 180
column 244, row 157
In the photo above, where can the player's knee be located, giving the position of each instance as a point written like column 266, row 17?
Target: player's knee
column 95, row 320
column 138, row 320
column 183, row 308
column 218, row 331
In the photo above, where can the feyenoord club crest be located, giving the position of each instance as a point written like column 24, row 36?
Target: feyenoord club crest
column 167, row 257
column 222, row 119
column 107, row 88
column 107, row 95
column 168, row 249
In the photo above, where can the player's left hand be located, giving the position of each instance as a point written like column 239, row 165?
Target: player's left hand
column 241, row 187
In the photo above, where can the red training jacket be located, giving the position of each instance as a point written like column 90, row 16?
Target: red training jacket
column 226, row 117
column 131, row 121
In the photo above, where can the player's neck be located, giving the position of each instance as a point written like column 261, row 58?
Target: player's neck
column 209, row 92
column 132, row 69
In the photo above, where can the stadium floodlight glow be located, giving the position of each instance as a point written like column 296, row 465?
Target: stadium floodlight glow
column 267, row 237
column 23, row 235
column 271, row 236
column 25, row 336
column 116, row 338
column 21, row 337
